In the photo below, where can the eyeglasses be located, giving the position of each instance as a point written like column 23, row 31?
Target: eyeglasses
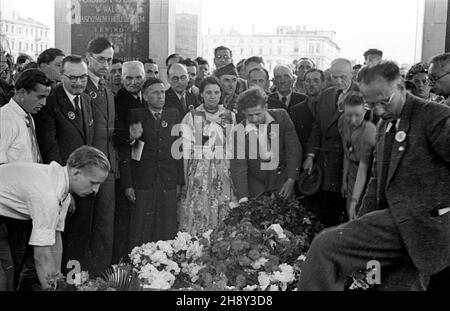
column 74, row 79
column 384, row 102
column 102, row 60
column 131, row 79
column 224, row 57
column 177, row 79
column 434, row 79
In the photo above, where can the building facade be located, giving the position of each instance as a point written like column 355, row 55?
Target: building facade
column 188, row 23
column 283, row 46
column 23, row 35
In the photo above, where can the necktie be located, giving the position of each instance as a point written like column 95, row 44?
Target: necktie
column 183, row 103
column 387, row 153
column 34, row 146
column 78, row 113
column 284, row 100
column 158, row 116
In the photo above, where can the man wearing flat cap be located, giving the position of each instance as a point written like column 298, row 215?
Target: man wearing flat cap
column 228, row 76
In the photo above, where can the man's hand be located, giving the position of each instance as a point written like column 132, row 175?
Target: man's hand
column 130, row 195
column 136, row 131
column 288, row 189
column 72, row 206
column 308, row 164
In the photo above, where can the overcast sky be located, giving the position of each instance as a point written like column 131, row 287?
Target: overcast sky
column 389, row 25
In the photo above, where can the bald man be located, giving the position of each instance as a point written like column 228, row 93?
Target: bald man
column 284, row 97
column 325, row 145
column 176, row 96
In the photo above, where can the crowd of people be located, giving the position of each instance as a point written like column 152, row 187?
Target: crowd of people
column 98, row 156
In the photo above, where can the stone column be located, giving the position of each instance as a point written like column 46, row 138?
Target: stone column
column 63, row 26
column 436, row 29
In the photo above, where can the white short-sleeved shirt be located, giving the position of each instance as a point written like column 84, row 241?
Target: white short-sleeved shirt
column 38, row 192
column 15, row 139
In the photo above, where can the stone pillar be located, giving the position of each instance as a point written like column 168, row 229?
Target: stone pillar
column 162, row 32
column 436, row 29
column 63, row 26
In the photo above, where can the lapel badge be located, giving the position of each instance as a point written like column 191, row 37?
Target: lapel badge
column 401, row 148
column 191, row 107
column 91, row 122
column 164, row 124
column 400, row 136
column 93, row 94
column 71, row 115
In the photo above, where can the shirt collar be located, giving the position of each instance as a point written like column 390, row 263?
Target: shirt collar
column 288, row 97
column 71, row 96
column 94, row 78
column 18, row 110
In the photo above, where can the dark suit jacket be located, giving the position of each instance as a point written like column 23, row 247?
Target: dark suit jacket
column 325, row 141
column 57, row 134
column 274, row 102
column 303, row 120
column 418, row 182
column 124, row 101
column 156, row 157
column 172, row 101
column 248, row 178
column 105, row 118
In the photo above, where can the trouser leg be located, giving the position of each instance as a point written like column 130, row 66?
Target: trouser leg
column 339, row 252
column 6, row 261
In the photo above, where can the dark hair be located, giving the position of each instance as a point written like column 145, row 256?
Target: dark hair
column 373, row 51
column 441, row 60
column 116, row 61
column 98, row 45
column 23, row 58
column 149, row 61
column 30, row 78
column 357, row 66
column 30, row 65
column 251, row 98
column 307, row 59
column 222, row 48
column 253, row 59
column 150, row 82
column 208, row 81
column 385, row 69
column 420, row 67
column 201, row 61
column 49, row 55
column 88, row 157
column 240, row 64
column 175, row 55
column 322, row 76
column 353, row 99
column 73, row 59
column 189, row 63
column 259, row 69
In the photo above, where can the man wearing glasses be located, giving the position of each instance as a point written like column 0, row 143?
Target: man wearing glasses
column 404, row 220
column 100, row 54
column 177, row 95
column 63, row 125
column 439, row 76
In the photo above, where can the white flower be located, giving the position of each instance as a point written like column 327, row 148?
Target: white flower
column 274, row 288
column 264, row 280
column 181, row 241
column 81, row 278
column 259, row 263
column 158, row 258
column 207, row 234
column 165, row 246
column 194, row 250
column 301, row 258
column 278, row 230
column 286, row 275
column 251, row 288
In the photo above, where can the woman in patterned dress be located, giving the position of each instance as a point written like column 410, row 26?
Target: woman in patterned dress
column 209, row 193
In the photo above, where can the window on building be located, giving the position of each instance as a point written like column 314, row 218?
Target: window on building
column 279, row 51
column 242, row 51
column 26, row 31
column 20, row 46
column 12, row 28
column 318, row 48
column 26, row 46
column 261, row 51
column 311, row 48
column 41, row 32
column 46, row 33
column 32, row 32
column 296, row 50
column 6, row 28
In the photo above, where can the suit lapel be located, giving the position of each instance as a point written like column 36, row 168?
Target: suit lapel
column 68, row 111
column 334, row 112
column 97, row 101
column 380, row 151
column 400, row 143
column 87, row 115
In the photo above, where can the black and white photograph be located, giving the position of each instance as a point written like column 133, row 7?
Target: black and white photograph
column 224, row 151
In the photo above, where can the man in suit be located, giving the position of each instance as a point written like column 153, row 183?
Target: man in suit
column 228, row 77
column 100, row 53
column 149, row 171
column 284, row 97
column 404, row 219
column 259, row 77
column 274, row 167
column 128, row 98
column 176, row 96
column 325, row 145
column 63, row 125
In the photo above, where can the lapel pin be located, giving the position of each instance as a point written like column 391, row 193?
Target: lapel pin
column 93, row 95
column 401, row 148
column 164, row 124
column 191, row 107
column 71, row 115
column 91, row 122
column 400, row 136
